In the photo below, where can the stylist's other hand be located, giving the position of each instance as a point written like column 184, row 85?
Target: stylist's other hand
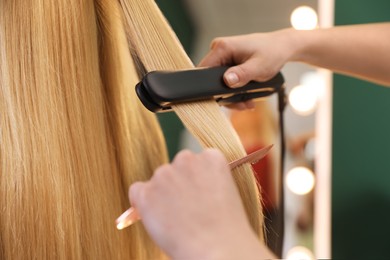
column 258, row 56
column 192, row 210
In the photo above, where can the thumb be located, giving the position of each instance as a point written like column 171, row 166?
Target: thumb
column 136, row 192
column 240, row 75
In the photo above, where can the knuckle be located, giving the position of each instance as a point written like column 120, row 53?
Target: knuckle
column 223, row 48
column 183, row 156
column 137, row 193
column 221, row 44
column 214, row 155
column 162, row 172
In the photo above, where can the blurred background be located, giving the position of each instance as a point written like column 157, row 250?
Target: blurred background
column 329, row 129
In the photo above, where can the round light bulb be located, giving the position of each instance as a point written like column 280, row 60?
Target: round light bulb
column 304, row 18
column 299, row 253
column 300, row 180
column 303, row 99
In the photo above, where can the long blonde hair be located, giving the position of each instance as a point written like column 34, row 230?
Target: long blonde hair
column 73, row 135
column 154, row 43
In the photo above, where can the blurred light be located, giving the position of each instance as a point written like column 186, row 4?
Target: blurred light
column 300, row 180
column 303, row 100
column 304, row 18
column 304, row 97
column 300, row 253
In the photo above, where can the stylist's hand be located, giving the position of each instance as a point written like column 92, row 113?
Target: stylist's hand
column 258, row 56
column 192, row 209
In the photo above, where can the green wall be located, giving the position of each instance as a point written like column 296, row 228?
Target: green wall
column 361, row 152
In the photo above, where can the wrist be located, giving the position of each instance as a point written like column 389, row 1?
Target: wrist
column 304, row 45
column 297, row 44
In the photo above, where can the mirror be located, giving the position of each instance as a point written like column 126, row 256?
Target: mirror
column 257, row 128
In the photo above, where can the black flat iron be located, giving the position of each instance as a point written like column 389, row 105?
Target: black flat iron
column 159, row 90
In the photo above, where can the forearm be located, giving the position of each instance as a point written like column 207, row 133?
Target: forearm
column 359, row 50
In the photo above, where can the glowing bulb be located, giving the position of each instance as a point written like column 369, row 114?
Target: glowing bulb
column 300, row 180
column 303, row 99
column 304, row 18
column 300, row 253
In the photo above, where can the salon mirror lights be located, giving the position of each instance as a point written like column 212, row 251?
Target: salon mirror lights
column 304, row 97
column 305, row 91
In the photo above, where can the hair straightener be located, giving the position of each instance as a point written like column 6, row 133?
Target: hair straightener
column 159, row 90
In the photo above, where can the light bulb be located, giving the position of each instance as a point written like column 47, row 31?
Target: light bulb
column 300, row 180
column 299, row 253
column 304, row 18
column 303, row 99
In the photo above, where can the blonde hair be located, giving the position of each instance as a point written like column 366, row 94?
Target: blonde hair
column 154, row 43
column 73, row 135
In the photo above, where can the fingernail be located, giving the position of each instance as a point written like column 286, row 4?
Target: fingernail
column 231, row 78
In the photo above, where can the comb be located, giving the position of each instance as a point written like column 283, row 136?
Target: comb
column 131, row 215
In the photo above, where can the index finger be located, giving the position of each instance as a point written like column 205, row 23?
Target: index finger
column 211, row 60
column 218, row 55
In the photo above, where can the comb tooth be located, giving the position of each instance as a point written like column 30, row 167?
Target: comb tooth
column 251, row 158
column 254, row 162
